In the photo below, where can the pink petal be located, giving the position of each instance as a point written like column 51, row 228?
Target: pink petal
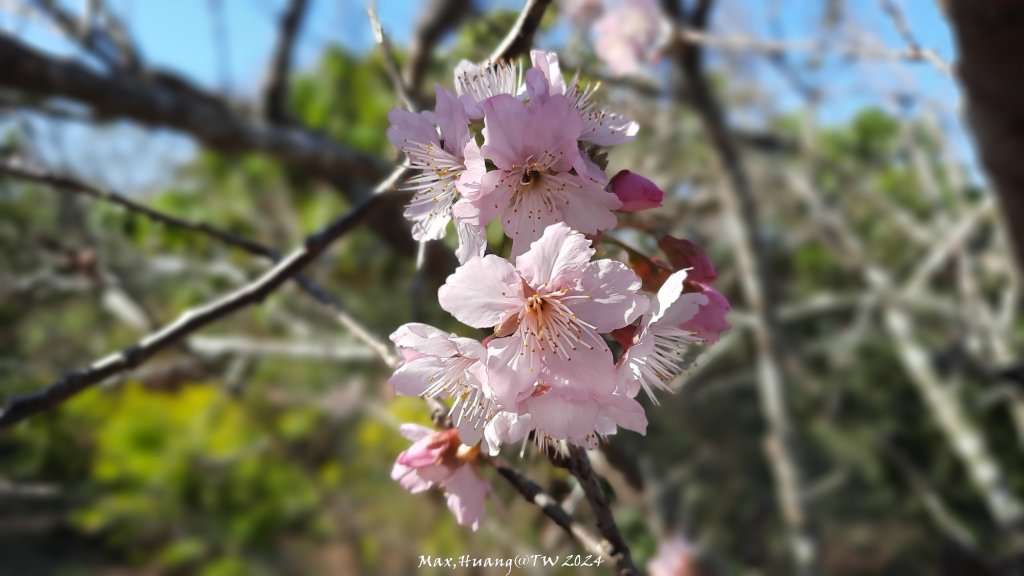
column 557, row 258
column 482, row 291
column 469, row 181
column 506, row 428
column 625, row 412
column 424, row 339
column 452, row 121
column 504, row 122
column 537, row 87
column 563, row 413
column 466, row 494
column 526, row 220
column 409, row 478
column 426, row 451
column 614, row 298
column 552, row 132
column 672, row 307
column 547, row 64
column 710, row 322
column 413, row 378
column 512, row 370
column 408, row 128
column 415, row 432
column 585, row 205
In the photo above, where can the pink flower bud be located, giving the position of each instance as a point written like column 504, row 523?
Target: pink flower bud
column 684, row 254
column 636, row 192
column 709, row 322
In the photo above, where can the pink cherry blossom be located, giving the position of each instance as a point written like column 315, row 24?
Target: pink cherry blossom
column 475, row 83
column 541, row 178
column 636, row 192
column 600, row 126
column 440, row 158
column 654, row 357
column 442, row 365
column 709, row 322
column 629, row 34
column 548, row 358
column 438, row 458
column 675, row 558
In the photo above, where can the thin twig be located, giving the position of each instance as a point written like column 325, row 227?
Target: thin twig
column 520, row 37
column 578, row 464
column 775, row 48
column 390, row 62
column 310, row 287
column 275, row 87
column 534, row 494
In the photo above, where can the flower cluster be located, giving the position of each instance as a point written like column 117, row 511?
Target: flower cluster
column 547, row 371
column 529, row 172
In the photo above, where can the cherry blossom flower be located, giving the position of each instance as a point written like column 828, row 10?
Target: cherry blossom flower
column 441, row 160
column 653, row 358
column 675, row 558
column 709, row 322
column 629, row 34
column 636, row 192
column 581, row 415
column 475, row 83
column 541, row 178
column 442, row 365
column 438, row 458
column 600, row 127
column 548, row 358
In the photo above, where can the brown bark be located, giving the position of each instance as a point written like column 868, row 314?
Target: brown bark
column 990, row 40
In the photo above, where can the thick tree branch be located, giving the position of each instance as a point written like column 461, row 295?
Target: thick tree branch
column 188, row 110
column 161, row 99
column 437, row 18
column 988, row 36
column 520, row 38
column 275, row 87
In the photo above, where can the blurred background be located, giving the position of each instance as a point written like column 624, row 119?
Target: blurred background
column 864, row 415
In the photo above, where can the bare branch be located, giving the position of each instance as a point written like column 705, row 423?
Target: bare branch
column 775, row 48
column 534, row 494
column 64, row 182
column 437, row 18
column 520, row 37
column 20, row 407
column 187, row 109
column 739, row 201
column 163, row 99
column 275, row 87
column 388, row 53
column 578, row 464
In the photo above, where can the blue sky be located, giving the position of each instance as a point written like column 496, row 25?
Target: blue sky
column 180, row 35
